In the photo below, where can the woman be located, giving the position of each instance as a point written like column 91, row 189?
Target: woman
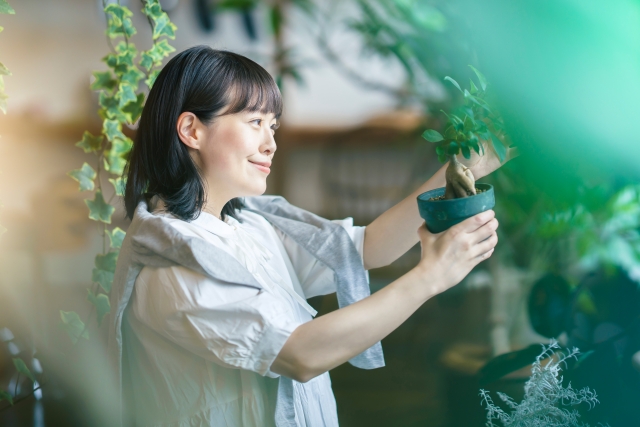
column 210, row 324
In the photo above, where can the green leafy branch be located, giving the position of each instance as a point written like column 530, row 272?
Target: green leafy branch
column 121, row 98
column 476, row 121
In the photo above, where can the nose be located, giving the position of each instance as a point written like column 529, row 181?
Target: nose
column 269, row 145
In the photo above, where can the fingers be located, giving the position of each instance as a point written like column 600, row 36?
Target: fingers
column 484, row 232
column 485, row 246
column 484, row 256
column 470, row 225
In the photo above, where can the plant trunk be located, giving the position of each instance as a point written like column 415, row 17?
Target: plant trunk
column 460, row 180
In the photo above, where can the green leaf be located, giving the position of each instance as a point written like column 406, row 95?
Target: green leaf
column 103, row 278
column 116, row 236
column 133, row 110
column 453, row 148
column 455, row 83
column 90, row 143
column 74, row 326
column 4, row 71
column 501, row 150
column 6, row 8
column 126, row 94
column 474, row 88
column 112, row 129
column 440, row 150
column 132, row 76
column 481, row 78
column 22, row 368
column 468, row 124
column 465, row 151
column 116, row 156
column 474, row 144
column 146, row 60
column 443, row 158
column 85, row 176
column 152, row 9
column 103, row 80
column 164, row 27
column 119, row 21
column 104, row 271
column 6, row 396
column 101, row 302
column 107, row 262
column 152, row 78
column 118, row 185
column 99, row 210
column 432, row 135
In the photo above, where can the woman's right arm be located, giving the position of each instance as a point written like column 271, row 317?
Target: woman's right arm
column 331, row 340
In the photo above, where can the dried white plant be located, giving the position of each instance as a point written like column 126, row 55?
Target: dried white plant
column 546, row 402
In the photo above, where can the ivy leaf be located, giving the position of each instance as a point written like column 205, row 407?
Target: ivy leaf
column 22, row 368
column 101, row 302
column 481, row 78
column 74, row 326
column 118, row 184
column 116, row 236
column 152, row 78
column 5, row 395
column 126, row 94
column 103, row 80
column 501, row 150
column 99, row 210
column 112, row 129
column 90, row 143
column 119, row 21
column 116, row 155
column 152, row 9
column 146, row 60
column 6, row 8
column 132, row 76
column 110, row 107
column 133, row 110
column 105, row 268
column 455, row 83
column 432, row 135
column 104, row 278
column 164, row 27
column 4, row 71
column 85, row 176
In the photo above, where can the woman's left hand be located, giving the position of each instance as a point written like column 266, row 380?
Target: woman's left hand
column 483, row 165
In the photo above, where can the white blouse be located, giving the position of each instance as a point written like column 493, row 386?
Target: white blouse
column 198, row 351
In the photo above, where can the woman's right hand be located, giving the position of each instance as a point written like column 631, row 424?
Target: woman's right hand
column 449, row 256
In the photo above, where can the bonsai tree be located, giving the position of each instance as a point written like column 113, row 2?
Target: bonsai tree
column 475, row 126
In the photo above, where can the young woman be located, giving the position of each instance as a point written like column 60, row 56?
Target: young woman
column 209, row 316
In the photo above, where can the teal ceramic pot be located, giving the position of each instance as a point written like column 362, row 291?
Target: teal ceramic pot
column 442, row 214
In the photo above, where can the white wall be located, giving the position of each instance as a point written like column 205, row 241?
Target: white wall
column 52, row 46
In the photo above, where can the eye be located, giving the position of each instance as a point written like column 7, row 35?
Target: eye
column 275, row 126
column 257, row 121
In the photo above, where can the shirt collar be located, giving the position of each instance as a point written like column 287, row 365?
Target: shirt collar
column 205, row 220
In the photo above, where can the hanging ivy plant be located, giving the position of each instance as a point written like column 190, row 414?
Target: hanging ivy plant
column 121, row 98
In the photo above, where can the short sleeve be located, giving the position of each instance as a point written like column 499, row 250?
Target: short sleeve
column 235, row 326
column 315, row 277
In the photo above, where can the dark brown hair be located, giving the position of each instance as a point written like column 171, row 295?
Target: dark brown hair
column 203, row 81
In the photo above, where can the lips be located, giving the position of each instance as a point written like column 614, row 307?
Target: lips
column 263, row 166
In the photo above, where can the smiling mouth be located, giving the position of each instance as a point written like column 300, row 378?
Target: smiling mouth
column 263, row 167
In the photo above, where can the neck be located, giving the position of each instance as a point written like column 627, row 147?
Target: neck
column 214, row 204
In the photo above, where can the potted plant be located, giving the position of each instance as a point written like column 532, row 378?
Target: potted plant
column 476, row 127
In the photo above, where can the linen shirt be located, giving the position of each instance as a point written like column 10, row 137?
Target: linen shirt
column 198, row 350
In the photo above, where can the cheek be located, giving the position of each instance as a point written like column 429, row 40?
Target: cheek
column 228, row 151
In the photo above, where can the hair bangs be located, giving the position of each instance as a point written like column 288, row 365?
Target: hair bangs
column 253, row 89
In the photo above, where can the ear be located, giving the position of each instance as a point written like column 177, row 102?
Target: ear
column 190, row 130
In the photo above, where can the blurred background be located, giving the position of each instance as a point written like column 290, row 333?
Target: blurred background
column 361, row 80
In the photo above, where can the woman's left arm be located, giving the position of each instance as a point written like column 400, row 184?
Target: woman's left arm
column 394, row 232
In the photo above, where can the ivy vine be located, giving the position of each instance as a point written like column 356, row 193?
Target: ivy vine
column 121, row 98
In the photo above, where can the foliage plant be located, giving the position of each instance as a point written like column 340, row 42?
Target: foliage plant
column 545, row 398
column 121, row 98
column 476, row 125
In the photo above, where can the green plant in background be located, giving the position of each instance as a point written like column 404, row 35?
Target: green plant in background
column 545, row 398
column 5, row 8
column 475, row 124
column 121, row 97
